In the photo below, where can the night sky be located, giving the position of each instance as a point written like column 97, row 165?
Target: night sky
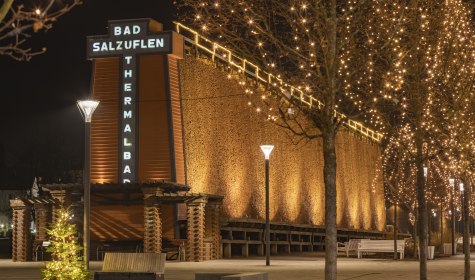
column 42, row 129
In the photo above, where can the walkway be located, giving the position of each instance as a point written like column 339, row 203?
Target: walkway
column 284, row 268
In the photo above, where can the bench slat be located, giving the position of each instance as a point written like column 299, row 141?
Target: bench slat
column 134, row 262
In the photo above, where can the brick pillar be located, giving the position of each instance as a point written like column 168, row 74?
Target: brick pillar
column 213, row 228
column 43, row 219
column 21, row 238
column 152, row 241
column 196, row 230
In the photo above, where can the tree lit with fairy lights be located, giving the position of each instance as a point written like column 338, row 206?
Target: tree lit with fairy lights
column 406, row 69
column 64, row 248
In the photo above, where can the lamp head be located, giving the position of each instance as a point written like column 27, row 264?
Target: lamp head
column 267, row 149
column 461, row 187
column 425, row 171
column 87, row 108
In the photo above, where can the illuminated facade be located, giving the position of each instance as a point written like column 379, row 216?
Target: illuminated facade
column 222, row 138
column 175, row 151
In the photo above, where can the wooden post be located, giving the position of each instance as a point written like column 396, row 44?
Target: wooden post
column 62, row 198
column 196, row 229
column 213, row 228
column 21, row 239
column 152, row 241
column 43, row 218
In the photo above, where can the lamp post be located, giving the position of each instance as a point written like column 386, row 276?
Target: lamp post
column 462, row 212
column 452, row 185
column 267, row 149
column 426, row 170
column 87, row 108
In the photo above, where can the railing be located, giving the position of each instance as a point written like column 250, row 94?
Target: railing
column 216, row 51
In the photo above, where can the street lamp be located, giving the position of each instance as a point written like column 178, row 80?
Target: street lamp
column 452, row 185
column 426, row 170
column 462, row 212
column 267, row 149
column 87, row 108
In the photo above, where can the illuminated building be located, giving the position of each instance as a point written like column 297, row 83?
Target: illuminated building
column 175, row 155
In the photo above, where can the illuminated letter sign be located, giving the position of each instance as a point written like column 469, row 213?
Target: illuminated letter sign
column 128, row 39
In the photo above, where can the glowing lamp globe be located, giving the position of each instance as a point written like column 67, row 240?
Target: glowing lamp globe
column 87, row 108
column 461, row 187
column 267, row 149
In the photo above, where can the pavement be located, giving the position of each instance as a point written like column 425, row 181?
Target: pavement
column 302, row 267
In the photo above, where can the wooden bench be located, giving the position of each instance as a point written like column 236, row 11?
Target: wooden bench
column 376, row 246
column 231, row 276
column 350, row 246
column 117, row 247
column 143, row 266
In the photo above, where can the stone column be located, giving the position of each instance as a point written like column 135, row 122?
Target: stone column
column 196, row 229
column 21, row 238
column 213, row 228
column 152, row 241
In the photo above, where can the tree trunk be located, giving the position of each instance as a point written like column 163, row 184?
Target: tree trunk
column 395, row 231
column 329, row 154
column 329, row 174
column 441, row 230
column 422, row 209
column 416, row 243
column 466, row 232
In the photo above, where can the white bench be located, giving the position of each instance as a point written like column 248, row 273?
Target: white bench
column 350, row 246
column 376, row 246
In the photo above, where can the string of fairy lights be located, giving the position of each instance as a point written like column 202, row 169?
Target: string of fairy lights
column 407, row 68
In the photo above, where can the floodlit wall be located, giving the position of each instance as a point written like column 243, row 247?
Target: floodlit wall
column 222, row 139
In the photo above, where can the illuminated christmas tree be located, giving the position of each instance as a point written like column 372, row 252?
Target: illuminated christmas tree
column 66, row 264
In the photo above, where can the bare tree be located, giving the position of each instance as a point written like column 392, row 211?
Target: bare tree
column 19, row 22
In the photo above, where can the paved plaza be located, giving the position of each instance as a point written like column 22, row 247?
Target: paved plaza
column 301, row 267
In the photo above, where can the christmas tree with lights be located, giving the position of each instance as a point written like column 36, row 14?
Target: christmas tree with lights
column 66, row 264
